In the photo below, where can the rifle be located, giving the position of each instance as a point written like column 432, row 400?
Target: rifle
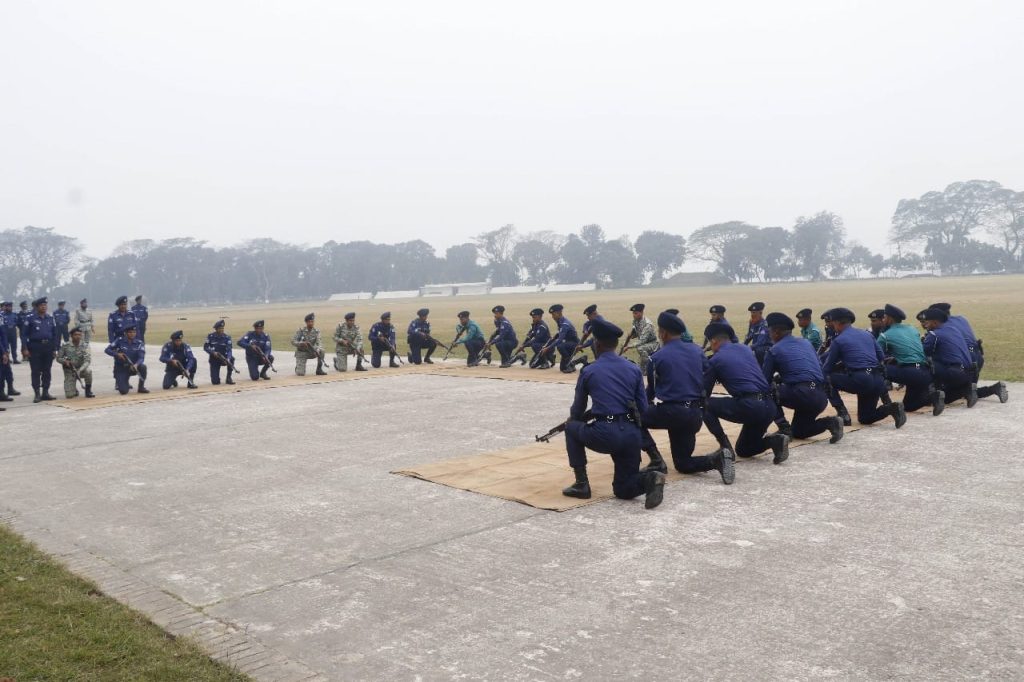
column 458, row 336
column 184, row 372
column 355, row 351
column 263, row 358
column 393, row 349
column 317, row 354
column 74, row 370
column 587, row 416
column 132, row 369
column 224, row 360
column 447, row 348
column 625, row 344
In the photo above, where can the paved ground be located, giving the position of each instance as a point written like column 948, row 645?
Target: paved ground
column 892, row 554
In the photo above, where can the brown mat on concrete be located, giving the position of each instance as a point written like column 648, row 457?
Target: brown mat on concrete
column 534, row 474
column 515, row 373
column 113, row 398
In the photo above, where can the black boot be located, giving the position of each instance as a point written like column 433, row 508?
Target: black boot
column 581, row 488
column 46, row 394
column 835, row 427
column 657, row 461
column 1001, row 391
column 88, row 391
column 229, row 381
column 11, row 391
column 897, row 412
column 143, row 389
column 38, row 398
column 392, row 363
column 844, row 414
column 263, row 372
column 972, row 396
column 654, row 487
column 487, row 356
column 3, row 396
column 779, row 443
column 785, row 428
column 725, row 463
column 426, row 358
column 938, row 402
column 359, row 364
column 320, row 367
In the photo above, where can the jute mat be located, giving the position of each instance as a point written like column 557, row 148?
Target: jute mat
column 534, row 474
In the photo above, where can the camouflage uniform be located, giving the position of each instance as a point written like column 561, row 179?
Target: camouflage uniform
column 80, row 358
column 354, row 346
column 302, row 355
column 646, row 340
column 83, row 320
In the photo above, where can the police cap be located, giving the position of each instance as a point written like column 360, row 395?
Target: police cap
column 121, row 300
column 311, row 316
column 61, row 302
column 385, row 315
column 138, row 299
column 756, row 306
column 537, row 311
column 716, row 329
column 38, row 302
column 941, row 306
column 842, row 315
column 636, row 308
column 779, row 320
column 350, row 316
column 590, row 309
column 423, row 312
column 876, row 314
column 674, row 311
column 177, row 335
column 804, row 314
column 498, row 309
column 603, row 330
column 717, row 309
column 557, row 308
column 933, row 314
column 130, row 327
column 24, row 303
column 257, row 323
column 219, row 324
column 671, row 323
column 463, row 313
column 84, row 300
column 894, row 312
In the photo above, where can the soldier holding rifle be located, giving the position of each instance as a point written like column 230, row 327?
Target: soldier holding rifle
column 308, row 347
column 179, row 362
column 75, row 358
column 469, row 334
column 258, row 355
column 218, row 348
column 129, row 355
column 348, row 340
column 382, row 340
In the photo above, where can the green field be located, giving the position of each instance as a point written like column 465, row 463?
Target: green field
column 992, row 304
column 55, row 626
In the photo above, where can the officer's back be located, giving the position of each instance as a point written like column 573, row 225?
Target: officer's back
column 678, row 371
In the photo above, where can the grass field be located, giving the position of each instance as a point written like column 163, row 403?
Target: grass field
column 55, row 626
column 992, row 304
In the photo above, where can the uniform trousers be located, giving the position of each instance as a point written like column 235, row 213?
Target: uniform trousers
column 418, row 344
column 71, row 383
column 755, row 415
column 41, row 362
column 256, row 364
column 682, row 421
column 122, row 375
column 954, row 380
column 620, row 439
column 215, row 366
column 473, row 348
column 377, row 349
column 807, row 400
column 917, row 380
column 869, row 387
column 172, row 373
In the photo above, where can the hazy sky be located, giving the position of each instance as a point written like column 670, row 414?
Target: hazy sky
column 309, row 121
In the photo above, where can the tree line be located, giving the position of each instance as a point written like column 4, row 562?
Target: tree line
column 973, row 226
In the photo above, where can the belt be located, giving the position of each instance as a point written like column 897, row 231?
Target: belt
column 866, row 370
column 613, row 417
column 753, row 396
column 684, row 403
column 809, row 384
column 919, row 365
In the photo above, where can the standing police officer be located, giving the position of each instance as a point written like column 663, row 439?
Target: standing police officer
column 750, row 400
column 675, row 378
column 616, row 388
column 863, row 375
column 6, row 375
column 179, row 362
column 257, row 351
column 218, row 349
column 419, row 338
column 40, row 344
column 141, row 313
column 906, row 363
column 801, row 382
column 382, row 340
column 62, row 317
column 757, row 332
column 129, row 353
column 10, row 320
column 119, row 320
column 84, row 321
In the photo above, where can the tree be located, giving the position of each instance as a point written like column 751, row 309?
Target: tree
column 1007, row 224
column 817, row 242
column 710, row 243
column 35, row 260
column 497, row 248
column 617, row 266
column 944, row 221
column 460, row 264
column 537, row 259
column 658, row 253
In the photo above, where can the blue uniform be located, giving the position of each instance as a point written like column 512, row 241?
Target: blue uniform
column 862, row 359
column 952, row 362
column 801, row 384
column 135, row 351
column 566, row 342
column 732, row 339
column 6, row 373
column 611, row 383
column 586, row 330
column 960, row 323
column 218, row 342
column 906, row 364
column 141, row 313
column 758, row 339
column 10, row 320
column 39, row 334
column 538, row 337
column 62, row 318
column 675, row 396
column 382, row 340
column 116, row 323
column 749, row 403
column 251, row 341
column 419, row 339
column 183, row 356
column 504, row 339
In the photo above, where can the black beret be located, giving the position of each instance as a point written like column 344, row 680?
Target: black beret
column 385, row 315
column 138, row 298
column 557, row 308
column 311, row 316
column 933, row 314
column 806, row 312
column 350, row 316
column 61, row 302
column 827, row 315
column 218, row 324
column 718, row 329
column 779, row 320
column 129, row 327
column 719, row 309
column 670, row 322
column 39, row 301
column 5, row 303
column 257, row 323
column 941, row 306
column 463, row 313
column 84, row 300
column 876, row 314
column 590, row 309
column 603, row 330
column 423, row 312
column 498, row 309
column 756, row 306
column 177, row 335
column 894, row 312
column 121, row 300
column 674, row 311
column 636, row 308
column 842, row 315
column 537, row 311
column 25, row 303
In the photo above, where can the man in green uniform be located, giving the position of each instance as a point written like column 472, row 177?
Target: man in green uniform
column 905, row 362
column 348, row 340
column 74, row 357
column 808, row 329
